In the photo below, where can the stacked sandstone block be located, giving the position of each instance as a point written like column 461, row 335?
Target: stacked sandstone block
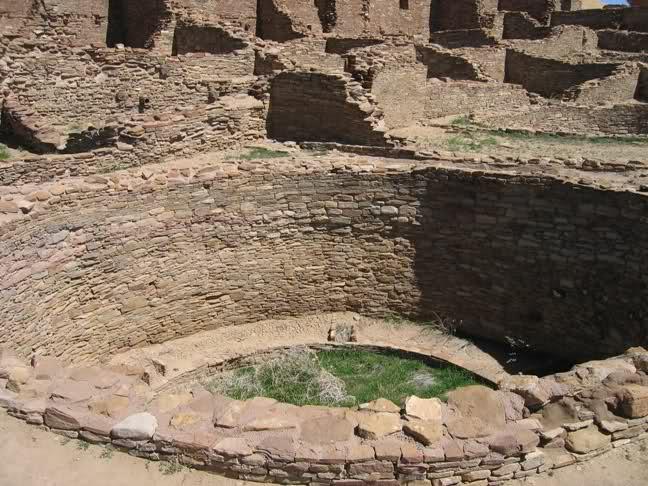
column 479, row 437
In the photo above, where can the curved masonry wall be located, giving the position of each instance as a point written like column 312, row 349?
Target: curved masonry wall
column 111, row 263
column 480, row 437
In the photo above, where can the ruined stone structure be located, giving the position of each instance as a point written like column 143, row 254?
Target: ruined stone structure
column 129, row 218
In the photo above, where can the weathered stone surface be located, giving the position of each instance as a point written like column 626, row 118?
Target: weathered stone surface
column 513, row 441
column 46, row 368
column 424, row 431
column 453, row 449
column 634, row 401
column 63, row 418
column 474, row 449
column 388, row 450
column 469, row 427
column 238, row 413
column 535, row 391
column 71, row 391
column 233, row 446
column 381, row 405
column 7, row 398
column 167, row 402
column 479, row 402
column 586, row 440
column 326, row 430
column 513, row 405
column 476, row 475
column 378, row 425
column 17, row 377
column 112, row 406
column 424, row 408
column 532, row 460
column 140, row 426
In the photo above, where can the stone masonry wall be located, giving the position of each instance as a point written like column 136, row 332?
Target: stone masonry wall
column 621, row 119
column 317, row 107
column 479, row 437
column 462, row 14
column 616, row 40
column 101, row 266
column 541, row 10
column 550, row 77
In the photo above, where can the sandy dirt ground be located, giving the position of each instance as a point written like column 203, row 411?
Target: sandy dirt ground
column 457, row 139
column 183, row 356
column 33, row 457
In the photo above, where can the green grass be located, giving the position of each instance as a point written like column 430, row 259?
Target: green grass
column 107, row 452
column 370, row 375
column 469, row 141
column 461, row 121
column 4, row 152
column 478, row 139
column 168, row 468
column 82, row 445
column 341, row 377
column 255, row 153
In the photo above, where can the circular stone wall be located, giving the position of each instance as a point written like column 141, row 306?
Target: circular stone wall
column 106, row 265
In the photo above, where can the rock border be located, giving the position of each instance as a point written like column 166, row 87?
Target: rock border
column 479, row 437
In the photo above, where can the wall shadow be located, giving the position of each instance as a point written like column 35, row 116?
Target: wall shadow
column 551, row 266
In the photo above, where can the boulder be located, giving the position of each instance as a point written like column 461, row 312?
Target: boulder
column 424, row 408
column 377, row 425
column 140, row 426
column 586, row 440
column 633, row 401
column 424, row 431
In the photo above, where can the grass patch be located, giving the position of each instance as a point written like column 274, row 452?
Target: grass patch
column 254, row 153
column 168, row 468
column 370, row 375
column 107, row 453
column 4, row 152
column 82, row 445
column 469, row 141
column 340, row 377
column 461, row 121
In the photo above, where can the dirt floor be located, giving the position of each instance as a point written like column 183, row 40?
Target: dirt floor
column 33, row 457
column 468, row 140
column 192, row 355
